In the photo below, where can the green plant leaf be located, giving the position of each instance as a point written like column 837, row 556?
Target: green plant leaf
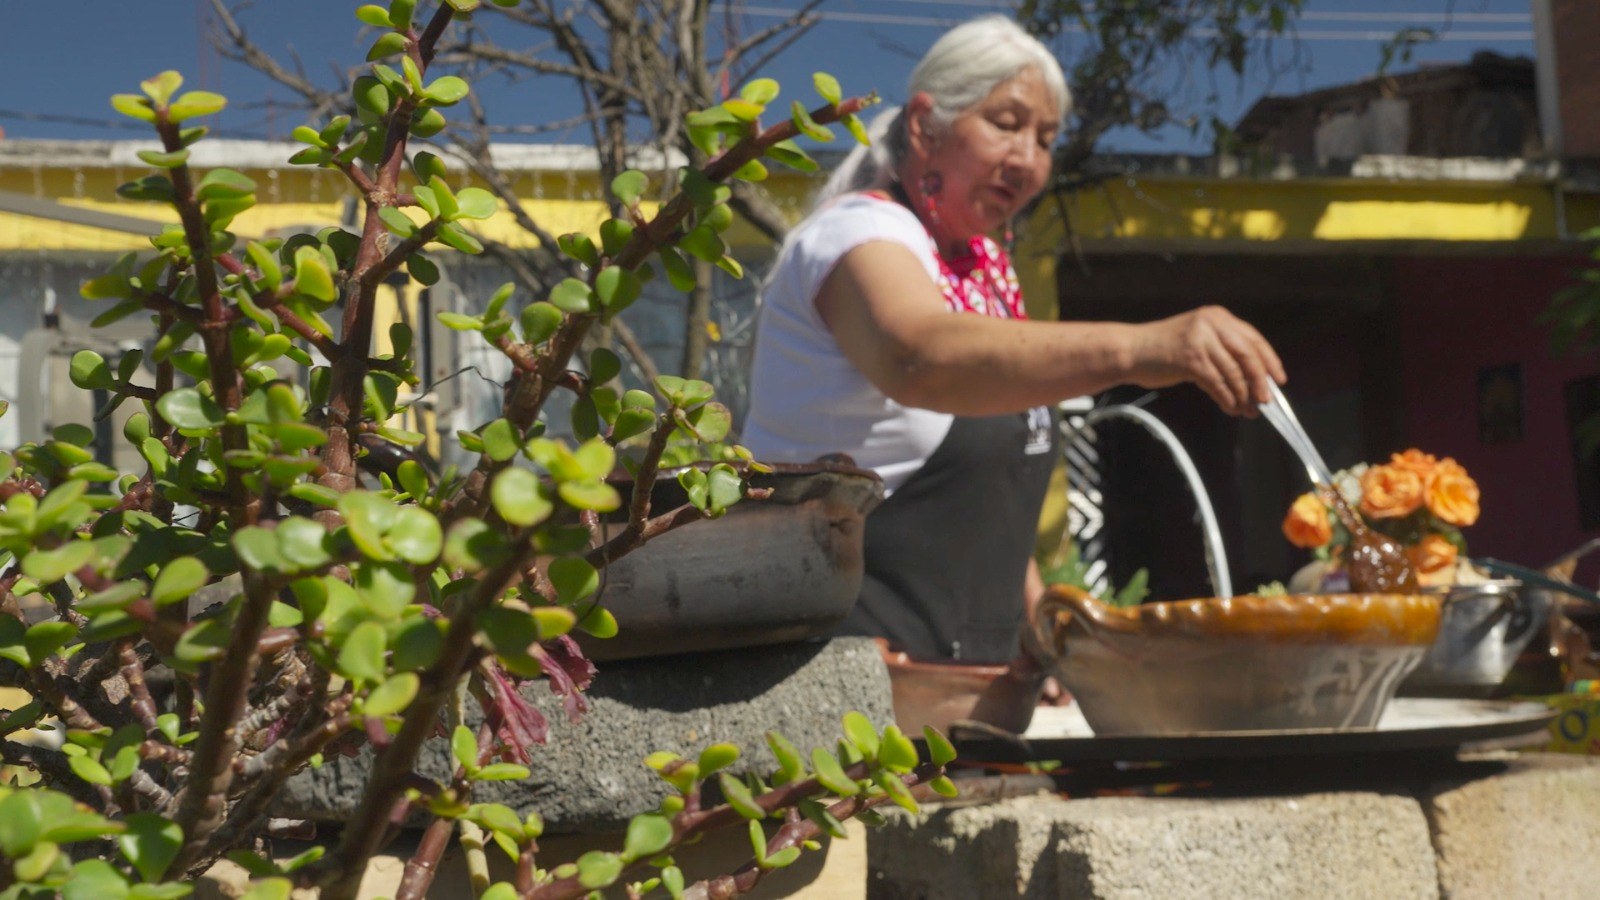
column 580, row 247
column 789, row 153
column 896, row 752
column 858, row 728
column 743, row 110
column 539, row 321
column 944, row 787
column 858, row 130
column 572, row 296
column 392, row 696
column 897, row 790
column 604, row 365
column 471, row 545
column 597, row 869
column 825, row 820
column 648, row 834
column 187, row 408
column 599, row 622
column 368, row 516
column 151, row 843
column 196, row 103
column 711, row 422
column 455, row 236
column 464, row 746
column 573, row 578
column 718, row 756
column 614, row 235
column 50, row 566
column 940, row 750
column 447, row 91
column 518, row 498
column 415, row 536
column 724, row 488
column 257, row 548
column 595, row 496
column 311, row 276
column 422, row 269
column 832, row 775
column 361, row 657
column 629, row 187
column 476, row 203
column 270, row 889
column 95, row 879
column 178, row 579
column 617, row 288
column 827, row 86
column 397, row 221
column 133, row 106
column 387, row 45
column 679, row 272
column 751, row 171
column 782, row 858
column 21, row 823
column 808, row 126
column 374, row 15
column 760, row 91
column 739, row 797
column 791, row 765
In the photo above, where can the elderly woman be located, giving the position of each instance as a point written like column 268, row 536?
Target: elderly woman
column 893, row 330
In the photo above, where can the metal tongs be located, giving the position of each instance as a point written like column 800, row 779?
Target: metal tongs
column 1281, row 415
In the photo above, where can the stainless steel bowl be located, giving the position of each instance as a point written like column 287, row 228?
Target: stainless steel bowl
column 1483, row 628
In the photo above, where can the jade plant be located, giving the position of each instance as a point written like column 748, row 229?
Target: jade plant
column 263, row 593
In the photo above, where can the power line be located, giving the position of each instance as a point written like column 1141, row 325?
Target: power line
column 1302, row 34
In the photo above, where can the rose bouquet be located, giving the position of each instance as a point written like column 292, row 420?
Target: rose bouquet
column 1418, row 500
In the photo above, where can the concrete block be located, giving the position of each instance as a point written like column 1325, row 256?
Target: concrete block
column 1530, row 831
column 590, row 777
column 956, row 852
column 1356, row 845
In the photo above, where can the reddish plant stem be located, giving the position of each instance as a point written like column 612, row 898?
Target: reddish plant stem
column 420, row 871
column 202, row 804
column 139, row 700
column 347, row 381
column 385, row 784
column 213, row 329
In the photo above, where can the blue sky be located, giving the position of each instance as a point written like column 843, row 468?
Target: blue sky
column 61, row 60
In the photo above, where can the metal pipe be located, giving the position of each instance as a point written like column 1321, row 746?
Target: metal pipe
column 1216, row 555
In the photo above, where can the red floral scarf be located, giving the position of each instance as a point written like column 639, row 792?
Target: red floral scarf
column 983, row 281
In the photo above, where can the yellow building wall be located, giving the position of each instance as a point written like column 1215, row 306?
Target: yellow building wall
column 560, row 202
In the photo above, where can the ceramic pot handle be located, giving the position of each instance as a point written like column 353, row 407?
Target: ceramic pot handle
column 1052, row 616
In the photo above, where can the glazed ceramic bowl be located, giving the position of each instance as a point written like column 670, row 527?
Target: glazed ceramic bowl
column 942, row 693
column 1239, row 664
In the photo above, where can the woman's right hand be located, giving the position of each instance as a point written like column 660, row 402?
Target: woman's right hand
column 1222, row 354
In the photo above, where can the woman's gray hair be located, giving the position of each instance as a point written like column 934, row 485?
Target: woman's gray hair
column 958, row 72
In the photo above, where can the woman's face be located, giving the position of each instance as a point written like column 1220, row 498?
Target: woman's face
column 994, row 158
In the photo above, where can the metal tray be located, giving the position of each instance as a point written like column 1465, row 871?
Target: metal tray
column 1408, row 724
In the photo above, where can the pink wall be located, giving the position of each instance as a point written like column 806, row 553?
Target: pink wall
column 1457, row 316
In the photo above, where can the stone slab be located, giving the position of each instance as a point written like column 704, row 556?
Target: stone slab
column 1347, row 844
column 1531, row 831
column 589, row 778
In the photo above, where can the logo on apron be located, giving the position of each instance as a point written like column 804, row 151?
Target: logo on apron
column 1039, row 426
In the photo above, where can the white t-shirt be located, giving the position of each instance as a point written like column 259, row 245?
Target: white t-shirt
column 806, row 398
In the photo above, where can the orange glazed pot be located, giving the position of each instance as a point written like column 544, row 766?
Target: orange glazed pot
column 1237, row 664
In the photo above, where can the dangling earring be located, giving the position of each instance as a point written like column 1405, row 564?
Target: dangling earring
column 1010, row 239
column 929, row 186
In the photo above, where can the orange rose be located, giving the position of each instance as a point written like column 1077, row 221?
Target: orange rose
column 1307, row 523
column 1416, row 461
column 1451, row 494
column 1435, row 561
column 1390, row 492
